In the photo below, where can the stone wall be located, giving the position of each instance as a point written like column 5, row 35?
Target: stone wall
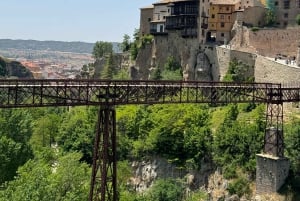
column 267, row 70
column 224, row 55
column 269, row 42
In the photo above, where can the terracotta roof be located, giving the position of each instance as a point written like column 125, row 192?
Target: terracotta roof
column 225, row 2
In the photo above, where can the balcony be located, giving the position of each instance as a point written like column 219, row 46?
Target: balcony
column 157, row 28
column 155, row 32
column 189, row 33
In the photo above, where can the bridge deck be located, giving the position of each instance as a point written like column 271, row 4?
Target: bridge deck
column 62, row 92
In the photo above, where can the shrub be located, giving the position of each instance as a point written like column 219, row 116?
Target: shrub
column 240, row 187
column 298, row 19
column 254, row 29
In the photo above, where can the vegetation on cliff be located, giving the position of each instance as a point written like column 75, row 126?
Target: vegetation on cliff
column 13, row 68
column 187, row 135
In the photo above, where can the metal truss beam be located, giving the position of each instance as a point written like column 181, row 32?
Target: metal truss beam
column 43, row 93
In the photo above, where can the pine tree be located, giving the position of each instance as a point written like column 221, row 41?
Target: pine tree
column 109, row 69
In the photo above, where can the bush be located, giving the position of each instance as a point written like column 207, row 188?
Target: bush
column 240, row 187
column 254, row 29
column 167, row 190
column 298, row 19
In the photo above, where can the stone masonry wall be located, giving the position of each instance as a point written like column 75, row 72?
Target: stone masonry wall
column 267, row 70
column 269, row 42
column 225, row 55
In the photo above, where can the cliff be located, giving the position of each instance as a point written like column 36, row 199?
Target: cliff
column 13, row 69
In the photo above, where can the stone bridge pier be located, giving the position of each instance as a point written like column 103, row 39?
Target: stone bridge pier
column 272, row 167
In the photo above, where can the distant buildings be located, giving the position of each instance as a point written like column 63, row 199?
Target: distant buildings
column 213, row 20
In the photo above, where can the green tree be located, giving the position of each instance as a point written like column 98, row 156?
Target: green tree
column 156, row 75
column 292, row 143
column 298, row 19
column 87, row 70
column 238, row 72
column 172, row 64
column 45, row 131
column 101, row 49
column 65, row 180
column 109, row 68
column 3, row 71
column 77, row 132
column 236, row 143
column 134, row 50
column 167, row 190
column 270, row 17
column 125, row 43
column 15, row 133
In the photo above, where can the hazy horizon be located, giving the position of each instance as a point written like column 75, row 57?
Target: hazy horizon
column 70, row 20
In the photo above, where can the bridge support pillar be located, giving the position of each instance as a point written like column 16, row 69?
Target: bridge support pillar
column 272, row 167
column 271, row 172
column 104, row 169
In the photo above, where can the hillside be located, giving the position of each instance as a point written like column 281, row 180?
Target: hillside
column 76, row 47
column 14, row 69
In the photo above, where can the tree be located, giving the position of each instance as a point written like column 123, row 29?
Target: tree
column 45, row 131
column 38, row 180
column 109, row 68
column 167, row 190
column 156, row 75
column 238, row 72
column 102, row 48
column 172, row 64
column 292, row 142
column 126, row 43
column 270, row 17
column 77, row 132
column 15, row 132
column 298, row 19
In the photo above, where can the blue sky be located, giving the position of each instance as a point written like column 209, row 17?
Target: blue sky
column 70, row 20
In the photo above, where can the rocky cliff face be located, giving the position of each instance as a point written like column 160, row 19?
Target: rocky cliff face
column 13, row 69
column 186, row 51
column 144, row 173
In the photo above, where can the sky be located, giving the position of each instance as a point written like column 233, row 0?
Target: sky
column 70, row 20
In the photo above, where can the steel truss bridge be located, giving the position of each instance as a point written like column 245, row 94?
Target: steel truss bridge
column 107, row 94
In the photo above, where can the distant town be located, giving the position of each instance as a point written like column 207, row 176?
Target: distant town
column 48, row 64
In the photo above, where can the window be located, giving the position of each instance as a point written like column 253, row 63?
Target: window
column 286, row 15
column 222, row 34
column 222, row 24
column 229, row 17
column 276, row 3
column 222, row 17
column 213, row 16
column 227, row 8
column 158, row 17
column 149, row 19
column 286, row 4
column 285, row 23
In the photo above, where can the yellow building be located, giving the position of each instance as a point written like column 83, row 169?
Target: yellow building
column 222, row 14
